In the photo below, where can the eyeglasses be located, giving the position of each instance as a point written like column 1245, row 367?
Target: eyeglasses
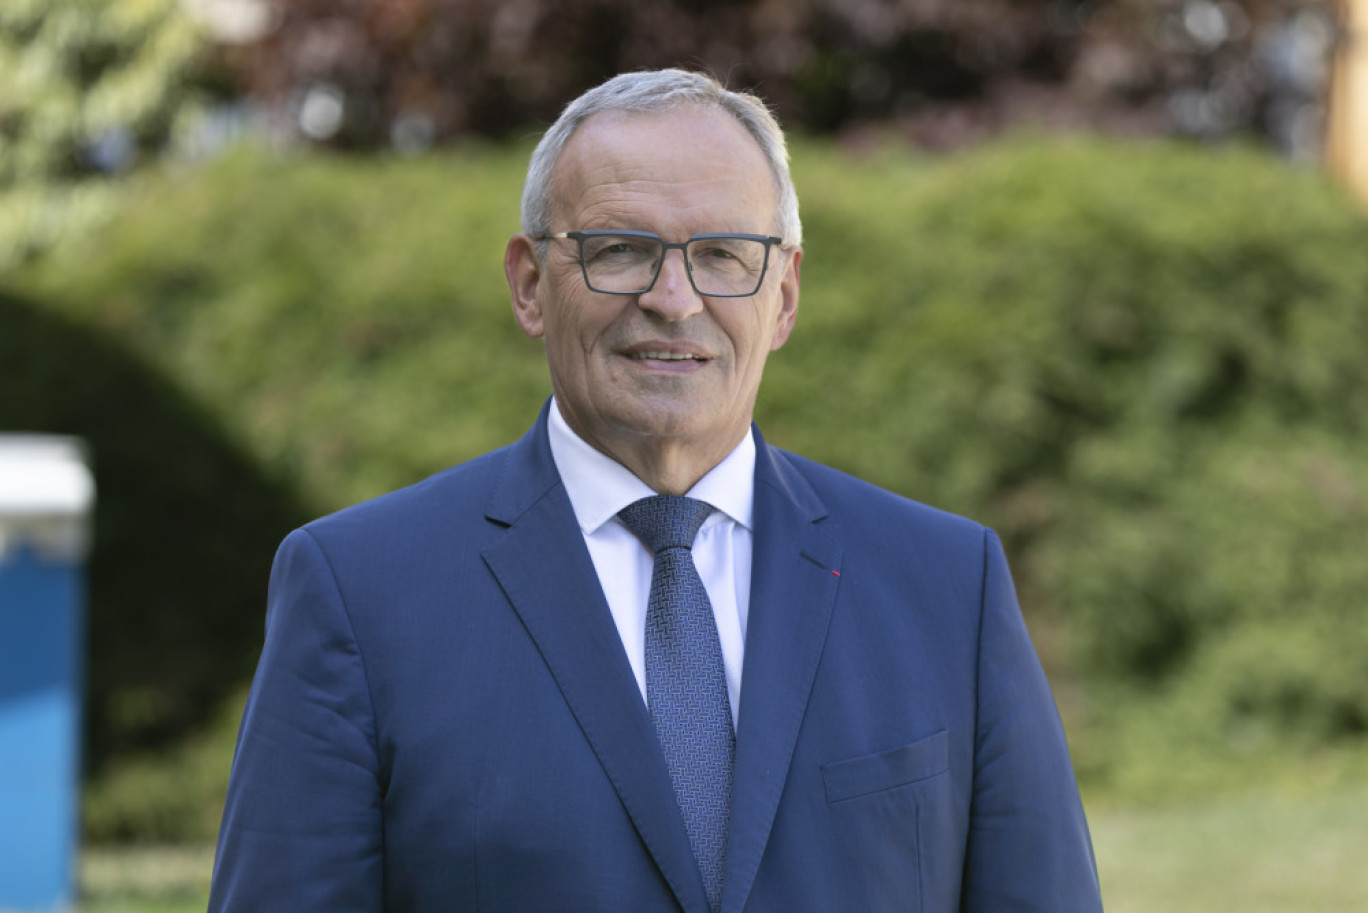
column 620, row 262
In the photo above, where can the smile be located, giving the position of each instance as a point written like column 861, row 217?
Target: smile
column 665, row 356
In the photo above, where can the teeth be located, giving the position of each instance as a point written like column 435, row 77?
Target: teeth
column 665, row 356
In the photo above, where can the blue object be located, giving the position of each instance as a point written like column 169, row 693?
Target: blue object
column 444, row 715
column 685, row 680
column 45, row 494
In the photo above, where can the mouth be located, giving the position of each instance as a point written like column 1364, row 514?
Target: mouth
column 665, row 356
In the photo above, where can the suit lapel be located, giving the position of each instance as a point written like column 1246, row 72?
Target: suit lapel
column 793, row 590
column 544, row 568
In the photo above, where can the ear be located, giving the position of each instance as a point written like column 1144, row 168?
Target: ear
column 788, row 299
column 523, row 268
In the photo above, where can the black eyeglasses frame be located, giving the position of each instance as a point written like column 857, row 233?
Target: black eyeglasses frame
column 579, row 238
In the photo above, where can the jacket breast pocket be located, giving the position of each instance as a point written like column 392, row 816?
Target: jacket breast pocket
column 921, row 760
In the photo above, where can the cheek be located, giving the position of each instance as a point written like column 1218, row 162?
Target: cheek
column 576, row 332
column 752, row 337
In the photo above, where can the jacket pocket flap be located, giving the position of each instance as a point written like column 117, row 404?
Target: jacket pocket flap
column 874, row 773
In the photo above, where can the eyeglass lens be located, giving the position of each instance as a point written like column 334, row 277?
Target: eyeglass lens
column 718, row 266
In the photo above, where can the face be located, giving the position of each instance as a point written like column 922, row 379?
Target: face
column 666, row 367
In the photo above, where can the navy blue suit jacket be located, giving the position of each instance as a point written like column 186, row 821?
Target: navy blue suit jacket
column 444, row 719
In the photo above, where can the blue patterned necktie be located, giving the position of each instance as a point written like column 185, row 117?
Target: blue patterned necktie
column 686, row 685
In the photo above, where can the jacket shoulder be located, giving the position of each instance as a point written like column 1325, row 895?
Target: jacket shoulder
column 856, row 503
column 421, row 508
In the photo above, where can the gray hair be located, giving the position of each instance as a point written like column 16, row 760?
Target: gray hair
column 652, row 92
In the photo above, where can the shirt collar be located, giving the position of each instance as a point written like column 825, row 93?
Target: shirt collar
column 599, row 486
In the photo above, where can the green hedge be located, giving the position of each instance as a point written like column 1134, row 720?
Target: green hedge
column 1141, row 363
column 186, row 523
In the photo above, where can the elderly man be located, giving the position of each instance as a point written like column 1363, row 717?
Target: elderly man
column 640, row 660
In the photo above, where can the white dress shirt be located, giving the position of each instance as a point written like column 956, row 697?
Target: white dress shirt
column 599, row 487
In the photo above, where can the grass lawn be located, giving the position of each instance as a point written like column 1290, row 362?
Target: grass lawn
column 145, row 879
column 1252, row 854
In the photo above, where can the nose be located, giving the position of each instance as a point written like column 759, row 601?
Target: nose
column 672, row 297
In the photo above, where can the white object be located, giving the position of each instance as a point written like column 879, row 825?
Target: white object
column 46, row 495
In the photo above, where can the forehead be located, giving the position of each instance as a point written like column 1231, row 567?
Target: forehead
column 687, row 170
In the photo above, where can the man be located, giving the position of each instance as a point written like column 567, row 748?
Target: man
column 495, row 690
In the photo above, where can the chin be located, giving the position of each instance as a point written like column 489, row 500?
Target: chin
column 669, row 420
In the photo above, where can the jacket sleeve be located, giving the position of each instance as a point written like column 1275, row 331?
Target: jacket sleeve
column 302, row 826
column 1029, row 848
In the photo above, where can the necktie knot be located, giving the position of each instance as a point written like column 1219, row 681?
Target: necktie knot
column 666, row 521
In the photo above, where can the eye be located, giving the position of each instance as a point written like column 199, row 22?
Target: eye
column 723, row 249
column 727, row 254
column 618, row 247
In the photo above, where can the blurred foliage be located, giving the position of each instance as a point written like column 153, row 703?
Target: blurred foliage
column 366, row 74
column 186, row 523
column 170, row 795
column 1141, row 363
column 87, row 87
column 324, row 310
